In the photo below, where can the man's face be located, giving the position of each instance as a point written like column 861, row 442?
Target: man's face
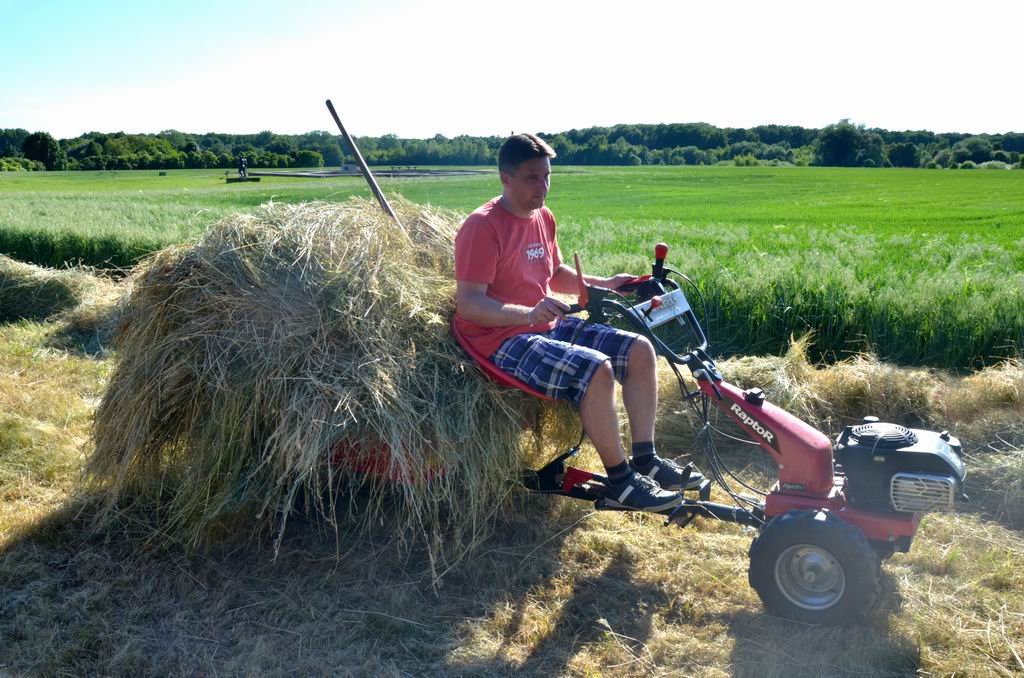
column 528, row 186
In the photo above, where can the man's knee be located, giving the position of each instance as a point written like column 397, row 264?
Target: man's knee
column 641, row 354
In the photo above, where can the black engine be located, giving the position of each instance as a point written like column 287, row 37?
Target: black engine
column 893, row 468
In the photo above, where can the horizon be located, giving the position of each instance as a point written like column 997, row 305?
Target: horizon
column 541, row 132
column 452, row 67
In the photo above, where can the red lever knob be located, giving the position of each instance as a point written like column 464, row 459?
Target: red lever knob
column 655, row 302
column 660, row 250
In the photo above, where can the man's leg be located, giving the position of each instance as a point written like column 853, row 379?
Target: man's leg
column 634, row 363
column 626, row 488
column 600, row 420
column 640, row 390
column 586, row 378
column 578, row 374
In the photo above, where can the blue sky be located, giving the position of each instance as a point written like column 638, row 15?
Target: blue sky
column 477, row 67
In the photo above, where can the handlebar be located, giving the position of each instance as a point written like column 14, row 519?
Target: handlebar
column 655, row 307
column 644, row 324
column 647, row 315
column 632, row 285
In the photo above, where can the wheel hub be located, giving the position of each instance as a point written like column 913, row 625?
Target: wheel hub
column 810, row 577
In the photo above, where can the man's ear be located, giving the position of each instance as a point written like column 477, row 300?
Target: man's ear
column 504, row 176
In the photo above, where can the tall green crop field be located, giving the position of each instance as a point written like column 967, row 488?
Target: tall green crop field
column 920, row 266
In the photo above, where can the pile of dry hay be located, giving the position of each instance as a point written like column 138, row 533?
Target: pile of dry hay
column 244, row 360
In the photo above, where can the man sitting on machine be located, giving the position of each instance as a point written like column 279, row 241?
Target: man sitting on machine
column 507, row 264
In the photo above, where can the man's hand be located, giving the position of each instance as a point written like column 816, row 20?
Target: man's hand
column 616, row 281
column 475, row 306
column 564, row 281
column 547, row 310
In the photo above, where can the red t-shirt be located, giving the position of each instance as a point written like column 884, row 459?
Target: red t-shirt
column 514, row 257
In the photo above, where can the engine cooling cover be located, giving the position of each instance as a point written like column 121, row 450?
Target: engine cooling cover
column 893, row 468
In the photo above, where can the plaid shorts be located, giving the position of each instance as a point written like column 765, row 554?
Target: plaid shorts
column 551, row 364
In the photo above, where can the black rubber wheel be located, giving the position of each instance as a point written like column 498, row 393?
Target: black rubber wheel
column 815, row 568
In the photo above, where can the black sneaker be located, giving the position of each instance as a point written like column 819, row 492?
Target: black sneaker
column 640, row 493
column 669, row 474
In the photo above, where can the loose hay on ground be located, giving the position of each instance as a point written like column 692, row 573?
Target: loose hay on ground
column 244, row 359
column 835, row 395
column 546, row 596
column 30, row 292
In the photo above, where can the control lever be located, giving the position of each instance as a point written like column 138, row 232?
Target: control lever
column 660, row 252
column 655, row 303
column 590, row 298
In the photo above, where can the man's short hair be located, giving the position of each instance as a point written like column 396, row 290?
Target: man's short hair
column 519, row 148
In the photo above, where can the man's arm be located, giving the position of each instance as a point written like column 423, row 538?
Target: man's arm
column 474, row 305
column 564, row 280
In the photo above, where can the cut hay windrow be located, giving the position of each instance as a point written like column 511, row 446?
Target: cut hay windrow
column 81, row 304
column 30, row 292
column 286, row 349
column 830, row 396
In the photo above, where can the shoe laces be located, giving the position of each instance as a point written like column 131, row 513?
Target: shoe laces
column 669, row 463
column 645, row 482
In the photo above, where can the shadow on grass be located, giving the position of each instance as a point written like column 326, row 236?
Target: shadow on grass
column 106, row 602
column 84, row 337
column 74, row 600
column 607, row 606
column 767, row 646
column 88, row 330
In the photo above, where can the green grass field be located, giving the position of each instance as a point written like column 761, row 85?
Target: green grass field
column 921, row 266
column 987, row 204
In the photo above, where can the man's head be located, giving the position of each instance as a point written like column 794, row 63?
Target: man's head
column 519, row 148
column 524, row 165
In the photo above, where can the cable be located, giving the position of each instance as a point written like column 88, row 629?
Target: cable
column 735, row 477
column 717, row 456
column 717, row 466
column 735, row 438
column 703, row 301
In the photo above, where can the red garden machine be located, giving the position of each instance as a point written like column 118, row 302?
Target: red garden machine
column 838, row 507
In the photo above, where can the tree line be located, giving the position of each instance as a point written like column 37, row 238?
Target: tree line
column 843, row 144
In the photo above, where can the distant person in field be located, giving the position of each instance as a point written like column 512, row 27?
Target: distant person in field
column 507, row 264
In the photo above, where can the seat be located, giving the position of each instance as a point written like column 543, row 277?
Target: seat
column 492, row 371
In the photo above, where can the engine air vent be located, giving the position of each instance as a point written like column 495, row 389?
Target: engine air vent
column 922, row 492
column 884, row 436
